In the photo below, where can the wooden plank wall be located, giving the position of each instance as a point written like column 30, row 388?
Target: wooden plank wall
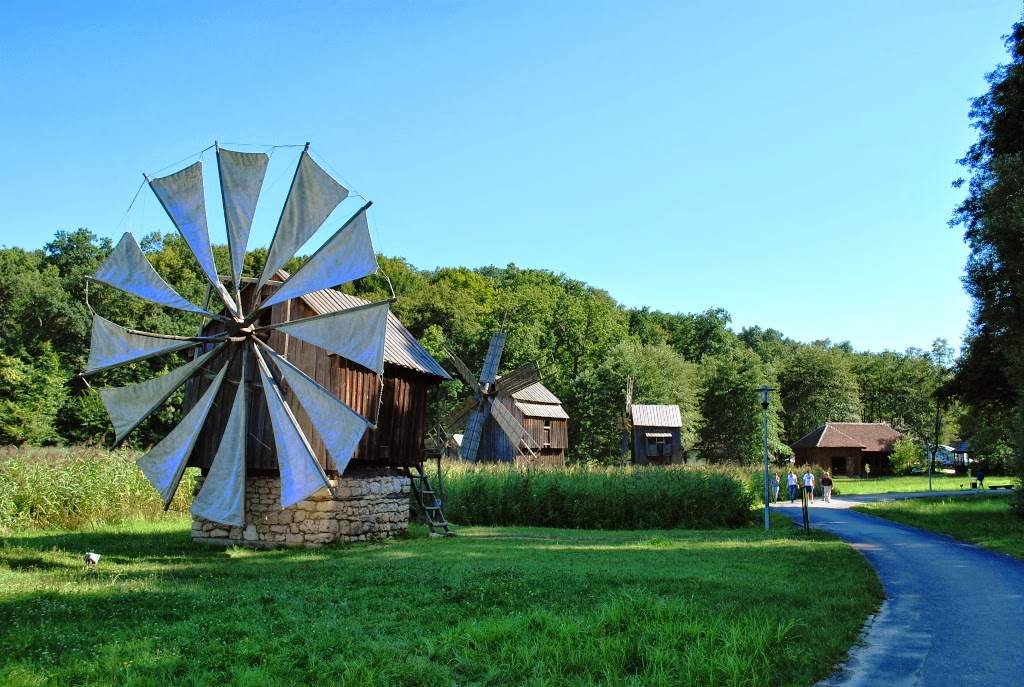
column 398, row 439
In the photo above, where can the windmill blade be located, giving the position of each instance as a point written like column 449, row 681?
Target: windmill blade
column 165, row 462
column 241, row 179
column 516, row 433
column 312, row 198
column 181, row 195
column 113, row 346
column 340, row 427
column 356, row 334
column 129, row 405
column 222, row 498
column 493, row 359
column 457, row 418
column 474, row 431
column 463, row 370
column 127, row 269
column 301, row 474
column 348, row 255
column 629, row 394
column 520, row 378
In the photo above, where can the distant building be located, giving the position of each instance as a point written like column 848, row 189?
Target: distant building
column 846, row 448
column 656, row 434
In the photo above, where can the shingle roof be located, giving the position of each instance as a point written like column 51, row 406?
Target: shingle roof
column 875, row 437
column 536, row 393
column 542, row 410
column 400, row 346
column 656, row 416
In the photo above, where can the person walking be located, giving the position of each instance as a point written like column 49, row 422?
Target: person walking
column 791, row 480
column 809, row 484
column 826, row 487
column 775, row 488
column 981, row 479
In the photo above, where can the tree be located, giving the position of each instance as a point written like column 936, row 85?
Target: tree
column 818, row 386
column 732, row 429
column 906, row 455
column 992, row 216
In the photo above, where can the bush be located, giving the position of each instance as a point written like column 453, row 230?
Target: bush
column 72, row 488
column 581, row 497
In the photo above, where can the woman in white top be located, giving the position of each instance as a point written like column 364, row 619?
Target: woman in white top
column 809, row 484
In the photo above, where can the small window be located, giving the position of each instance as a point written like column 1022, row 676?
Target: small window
column 547, row 434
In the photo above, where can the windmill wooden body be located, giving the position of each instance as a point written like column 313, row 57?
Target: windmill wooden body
column 508, row 418
column 653, row 432
column 285, row 377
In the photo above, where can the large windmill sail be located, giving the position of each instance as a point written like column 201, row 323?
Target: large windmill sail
column 475, row 414
column 237, row 351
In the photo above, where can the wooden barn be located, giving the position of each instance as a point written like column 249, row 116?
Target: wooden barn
column 541, row 414
column 409, row 371
column 656, row 434
column 845, row 448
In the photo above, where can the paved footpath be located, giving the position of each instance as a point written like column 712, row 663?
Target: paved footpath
column 954, row 613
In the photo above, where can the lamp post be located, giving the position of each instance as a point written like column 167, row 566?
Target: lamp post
column 765, row 391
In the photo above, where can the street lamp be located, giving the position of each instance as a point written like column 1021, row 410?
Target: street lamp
column 765, row 392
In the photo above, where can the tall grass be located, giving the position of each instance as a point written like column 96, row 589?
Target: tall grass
column 611, row 498
column 71, row 488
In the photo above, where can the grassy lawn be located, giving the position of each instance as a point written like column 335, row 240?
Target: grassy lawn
column 846, row 486
column 492, row 606
column 984, row 520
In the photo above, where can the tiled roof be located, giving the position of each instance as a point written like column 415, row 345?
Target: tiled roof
column 400, row 346
column 656, row 416
column 875, row 437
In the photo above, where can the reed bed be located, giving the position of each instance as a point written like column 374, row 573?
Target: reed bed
column 607, row 498
column 72, row 488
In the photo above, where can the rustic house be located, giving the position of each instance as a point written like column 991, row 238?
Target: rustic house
column 541, row 414
column 846, row 448
column 656, row 433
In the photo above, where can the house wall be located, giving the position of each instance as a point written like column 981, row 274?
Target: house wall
column 640, row 456
column 397, row 441
column 496, row 446
column 852, row 460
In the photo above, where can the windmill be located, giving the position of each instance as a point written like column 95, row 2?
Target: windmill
column 627, row 418
column 243, row 369
column 485, row 404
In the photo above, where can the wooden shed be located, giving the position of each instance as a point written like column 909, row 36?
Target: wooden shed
column 656, row 434
column 541, row 414
column 845, row 448
column 409, row 371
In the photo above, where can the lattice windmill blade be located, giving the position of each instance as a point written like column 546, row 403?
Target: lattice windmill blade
column 356, row 334
column 515, row 432
column 459, row 416
column 517, row 380
column 474, row 431
column 490, row 370
column 464, row 371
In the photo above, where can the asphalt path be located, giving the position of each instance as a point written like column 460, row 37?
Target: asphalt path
column 954, row 612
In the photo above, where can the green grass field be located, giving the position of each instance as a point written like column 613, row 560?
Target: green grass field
column 845, row 486
column 492, row 606
column 984, row 520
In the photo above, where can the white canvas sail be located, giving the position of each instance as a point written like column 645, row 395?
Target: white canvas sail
column 356, row 334
column 165, row 462
column 182, row 196
column 112, row 346
column 222, row 498
column 241, row 178
column 301, row 475
column 313, row 196
column 127, row 268
column 340, row 427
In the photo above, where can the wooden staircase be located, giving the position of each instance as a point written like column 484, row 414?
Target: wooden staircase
column 427, row 501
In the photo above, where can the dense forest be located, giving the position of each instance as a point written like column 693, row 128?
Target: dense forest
column 587, row 344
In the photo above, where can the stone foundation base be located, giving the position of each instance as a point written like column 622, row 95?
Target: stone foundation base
column 371, row 504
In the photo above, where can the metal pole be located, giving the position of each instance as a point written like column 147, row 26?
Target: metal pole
column 767, row 525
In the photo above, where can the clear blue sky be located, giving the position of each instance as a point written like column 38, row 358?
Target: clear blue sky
column 789, row 162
